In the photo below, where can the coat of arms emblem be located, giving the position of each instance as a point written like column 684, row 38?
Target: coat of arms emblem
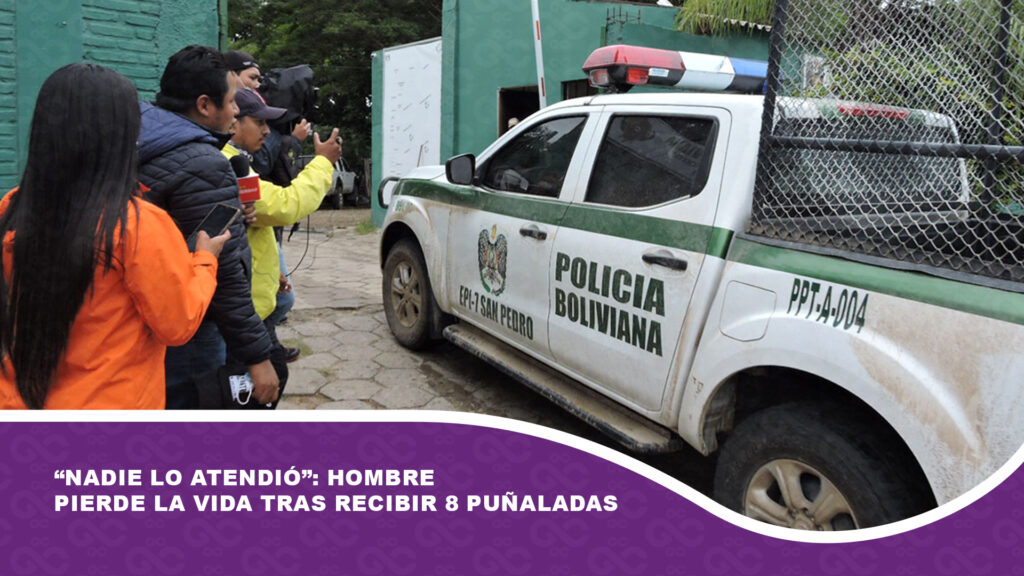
column 492, row 251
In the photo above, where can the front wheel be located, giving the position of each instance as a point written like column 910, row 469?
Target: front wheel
column 815, row 467
column 408, row 298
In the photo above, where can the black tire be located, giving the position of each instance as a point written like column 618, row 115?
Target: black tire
column 825, row 450
column 408, row 298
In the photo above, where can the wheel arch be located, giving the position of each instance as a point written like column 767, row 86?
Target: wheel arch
column 753, row 389
column 411, row 219
column 394, row 233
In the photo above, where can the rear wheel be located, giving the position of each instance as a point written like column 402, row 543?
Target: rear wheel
column 408, row 299
column 815, row 467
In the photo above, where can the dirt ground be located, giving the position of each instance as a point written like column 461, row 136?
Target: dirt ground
column 338, row 219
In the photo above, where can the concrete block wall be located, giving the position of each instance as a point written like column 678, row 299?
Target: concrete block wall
column 122, row 34
column 8, row 99
column 134, row 37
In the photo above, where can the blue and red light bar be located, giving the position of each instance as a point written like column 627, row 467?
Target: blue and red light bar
column 622, row 67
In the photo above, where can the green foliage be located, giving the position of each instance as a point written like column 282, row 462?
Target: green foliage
column 243, row 18
column 716, row 17
column 919, row 54
column 336, row 39
column 366, row 227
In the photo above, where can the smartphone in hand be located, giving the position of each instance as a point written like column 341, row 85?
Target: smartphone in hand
column 217, row 220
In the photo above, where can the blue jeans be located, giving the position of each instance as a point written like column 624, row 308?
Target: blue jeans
column 206, row 351
column 284, row 301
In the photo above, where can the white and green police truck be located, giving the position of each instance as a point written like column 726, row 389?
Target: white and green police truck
column 600, row 253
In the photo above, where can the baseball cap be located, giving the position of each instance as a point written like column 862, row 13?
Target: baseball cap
column 237, row 61
column 251, row 104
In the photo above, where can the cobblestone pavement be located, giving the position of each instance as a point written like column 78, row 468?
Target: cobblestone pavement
column 350, row 361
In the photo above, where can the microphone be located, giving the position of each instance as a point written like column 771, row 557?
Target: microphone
column 248, row 186
column 240, row 164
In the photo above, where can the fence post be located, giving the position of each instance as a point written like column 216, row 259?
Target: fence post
column 772, row 85
column 996, row 130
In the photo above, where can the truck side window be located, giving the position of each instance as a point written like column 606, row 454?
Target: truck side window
column 648, row 160
column 536, row 161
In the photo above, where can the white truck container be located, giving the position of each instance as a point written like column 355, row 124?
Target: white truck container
column 598, row 253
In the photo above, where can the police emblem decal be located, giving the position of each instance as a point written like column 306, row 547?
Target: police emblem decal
column 492, row 252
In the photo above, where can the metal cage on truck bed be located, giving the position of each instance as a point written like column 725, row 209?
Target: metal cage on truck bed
column 893, row 134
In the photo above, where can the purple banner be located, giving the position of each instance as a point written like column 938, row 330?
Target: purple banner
column 407, row 498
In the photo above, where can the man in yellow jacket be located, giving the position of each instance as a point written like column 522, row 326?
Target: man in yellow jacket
column 278, row 205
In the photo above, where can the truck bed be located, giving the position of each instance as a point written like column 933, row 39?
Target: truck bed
column 989, row 247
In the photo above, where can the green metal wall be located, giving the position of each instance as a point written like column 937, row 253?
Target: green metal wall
column 488, row 45
column 376, row 135
column 134, row 37
column 491, row 46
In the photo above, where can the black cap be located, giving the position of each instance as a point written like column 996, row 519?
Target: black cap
column 238, row 61
column 252, row 104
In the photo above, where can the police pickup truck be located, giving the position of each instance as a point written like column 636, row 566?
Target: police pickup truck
column 599, row 253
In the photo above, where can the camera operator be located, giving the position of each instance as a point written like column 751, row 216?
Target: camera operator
column 265, row 160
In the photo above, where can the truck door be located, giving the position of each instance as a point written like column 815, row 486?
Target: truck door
column 499, row 244
column 631, row 245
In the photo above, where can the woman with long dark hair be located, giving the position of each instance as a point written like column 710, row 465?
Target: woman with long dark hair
column 96, row 282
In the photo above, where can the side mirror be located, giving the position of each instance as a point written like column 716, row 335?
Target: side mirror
column 460, row 169
column 385, row 191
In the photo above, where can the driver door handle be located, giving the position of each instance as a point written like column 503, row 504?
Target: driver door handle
column 666, row 260
column 533, row 231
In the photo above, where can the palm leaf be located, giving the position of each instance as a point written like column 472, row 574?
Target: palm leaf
column 714, row 17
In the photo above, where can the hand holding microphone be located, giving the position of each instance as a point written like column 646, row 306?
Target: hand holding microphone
column 249, row 213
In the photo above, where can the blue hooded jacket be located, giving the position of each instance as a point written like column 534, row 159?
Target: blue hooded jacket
column 181, row 164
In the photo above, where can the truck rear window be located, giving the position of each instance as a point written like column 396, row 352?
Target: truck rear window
column 863, row 183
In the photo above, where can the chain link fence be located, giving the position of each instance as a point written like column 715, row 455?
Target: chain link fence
column 893, row 130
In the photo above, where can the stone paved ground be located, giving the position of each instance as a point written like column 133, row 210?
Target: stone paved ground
column 350, row 361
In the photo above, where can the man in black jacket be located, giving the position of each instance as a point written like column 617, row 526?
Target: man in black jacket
column 181, row 164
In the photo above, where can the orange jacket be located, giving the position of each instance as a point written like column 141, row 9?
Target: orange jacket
column 154, row 296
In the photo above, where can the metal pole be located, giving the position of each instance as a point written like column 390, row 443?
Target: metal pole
column 996, row 130
column 987, row 152
column 772, row 86
column 537, row 45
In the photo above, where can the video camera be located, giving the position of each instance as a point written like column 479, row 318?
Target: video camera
column 292, row 89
